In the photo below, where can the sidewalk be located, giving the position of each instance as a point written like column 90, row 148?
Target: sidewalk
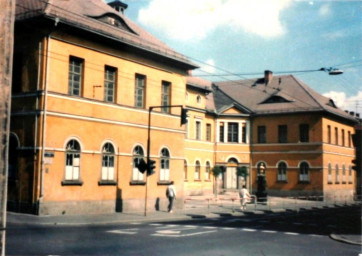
column 195, row 207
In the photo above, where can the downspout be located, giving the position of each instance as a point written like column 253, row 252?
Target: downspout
column 44, row 121
column 251, row 153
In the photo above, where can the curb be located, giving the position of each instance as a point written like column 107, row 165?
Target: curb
column 343, row 239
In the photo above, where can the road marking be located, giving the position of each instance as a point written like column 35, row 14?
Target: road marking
column 184, row 235
column 129, row 231
column 169, row 231
column 228, row 228
column 269, row 231
column 248, row 229
column 291, row 233
column 156, row 224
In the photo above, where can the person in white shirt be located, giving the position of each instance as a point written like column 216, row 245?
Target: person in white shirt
column 244, row 197
column 171, row 195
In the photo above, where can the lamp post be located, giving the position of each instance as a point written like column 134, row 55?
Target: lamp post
column 261, row 182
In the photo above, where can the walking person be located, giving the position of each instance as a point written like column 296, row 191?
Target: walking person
column 171, row 195
column 244, row 197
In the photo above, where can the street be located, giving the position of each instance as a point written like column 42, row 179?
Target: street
column 288, row 233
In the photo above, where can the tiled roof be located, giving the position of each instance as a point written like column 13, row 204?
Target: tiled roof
column 284, row 94
column 82, row 14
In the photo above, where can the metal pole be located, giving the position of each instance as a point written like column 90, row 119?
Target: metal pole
column 6, row 64
column 148, row 155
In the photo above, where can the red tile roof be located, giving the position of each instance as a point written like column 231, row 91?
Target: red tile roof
column 82, row 14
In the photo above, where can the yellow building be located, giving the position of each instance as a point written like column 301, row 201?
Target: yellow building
column 83, row 84
column 85, row 81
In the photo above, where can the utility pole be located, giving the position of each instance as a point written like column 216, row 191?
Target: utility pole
column 6, row 63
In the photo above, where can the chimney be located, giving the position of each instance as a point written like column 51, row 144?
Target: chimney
column 268, row 76
column 118, row 6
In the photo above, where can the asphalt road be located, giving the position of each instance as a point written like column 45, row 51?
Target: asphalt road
column 305, row 233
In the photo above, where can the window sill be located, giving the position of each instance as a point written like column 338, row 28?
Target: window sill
column 197, row 180
column 207, row 180
column 330, row 182
column 164, row 182
column 282, row 181
column 337, row 182
column 304, row 182
column 137, row 183
column 72, row 183
column 107, row 183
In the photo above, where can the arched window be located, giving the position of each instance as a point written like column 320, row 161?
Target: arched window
column 137, row 156
column 197, row 170
column 165, row 165
column 185, row 170
column 72, row 164
column 329, row 173
column 282, row 171
column 350, row 177
column 304, row 172
column 337, row 173
column 207, row 171
column 108, row 162
column 343, row 173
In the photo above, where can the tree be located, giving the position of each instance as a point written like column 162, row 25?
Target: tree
column 216, row 171
column 242, row 172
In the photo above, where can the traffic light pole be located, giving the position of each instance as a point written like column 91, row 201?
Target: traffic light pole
column 148, row 172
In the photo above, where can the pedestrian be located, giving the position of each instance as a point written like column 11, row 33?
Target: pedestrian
column 171, row 195
column 244, row 197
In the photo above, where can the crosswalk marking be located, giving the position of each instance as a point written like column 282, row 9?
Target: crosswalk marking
column 173, row 230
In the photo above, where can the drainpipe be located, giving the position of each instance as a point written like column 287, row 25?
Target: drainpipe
column 44, row 120
column 251, row 152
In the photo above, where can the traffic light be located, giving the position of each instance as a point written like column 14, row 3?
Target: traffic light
column 183, row 116
column 151, row 167
column 141, row 166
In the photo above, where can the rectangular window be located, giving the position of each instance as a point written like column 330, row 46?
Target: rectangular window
column 262, row 134
column 304, row 133
column 75, row 76
column 343, row 139
column 140, row 85
column 283, row 134
column 166, row 96
column 243, row 133
column 233, row 132
column 221, row 132
column 329, row 139
column 349, row 139
column 336, row 136
column 208, row 132
column 110, row 75
column 198, row 130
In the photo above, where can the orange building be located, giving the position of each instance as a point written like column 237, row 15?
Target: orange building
column 85, row 77
column 83, row 84
column 301, row 137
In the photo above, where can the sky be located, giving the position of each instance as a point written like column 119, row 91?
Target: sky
column 239, row 39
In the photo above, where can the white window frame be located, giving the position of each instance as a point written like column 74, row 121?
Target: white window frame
column 72, row 161
column 282, row 173
column 304, row 174
column 165, row 165
column 137, row 155
column 108, row 162
column 197, row 170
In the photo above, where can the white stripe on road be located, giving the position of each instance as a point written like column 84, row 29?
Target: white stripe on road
column 184, row 235
column 291, row 233
column 129, row 231
column 248, row 229
column 269, row 231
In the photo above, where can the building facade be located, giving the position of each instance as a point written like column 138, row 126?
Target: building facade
column 83, row 85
